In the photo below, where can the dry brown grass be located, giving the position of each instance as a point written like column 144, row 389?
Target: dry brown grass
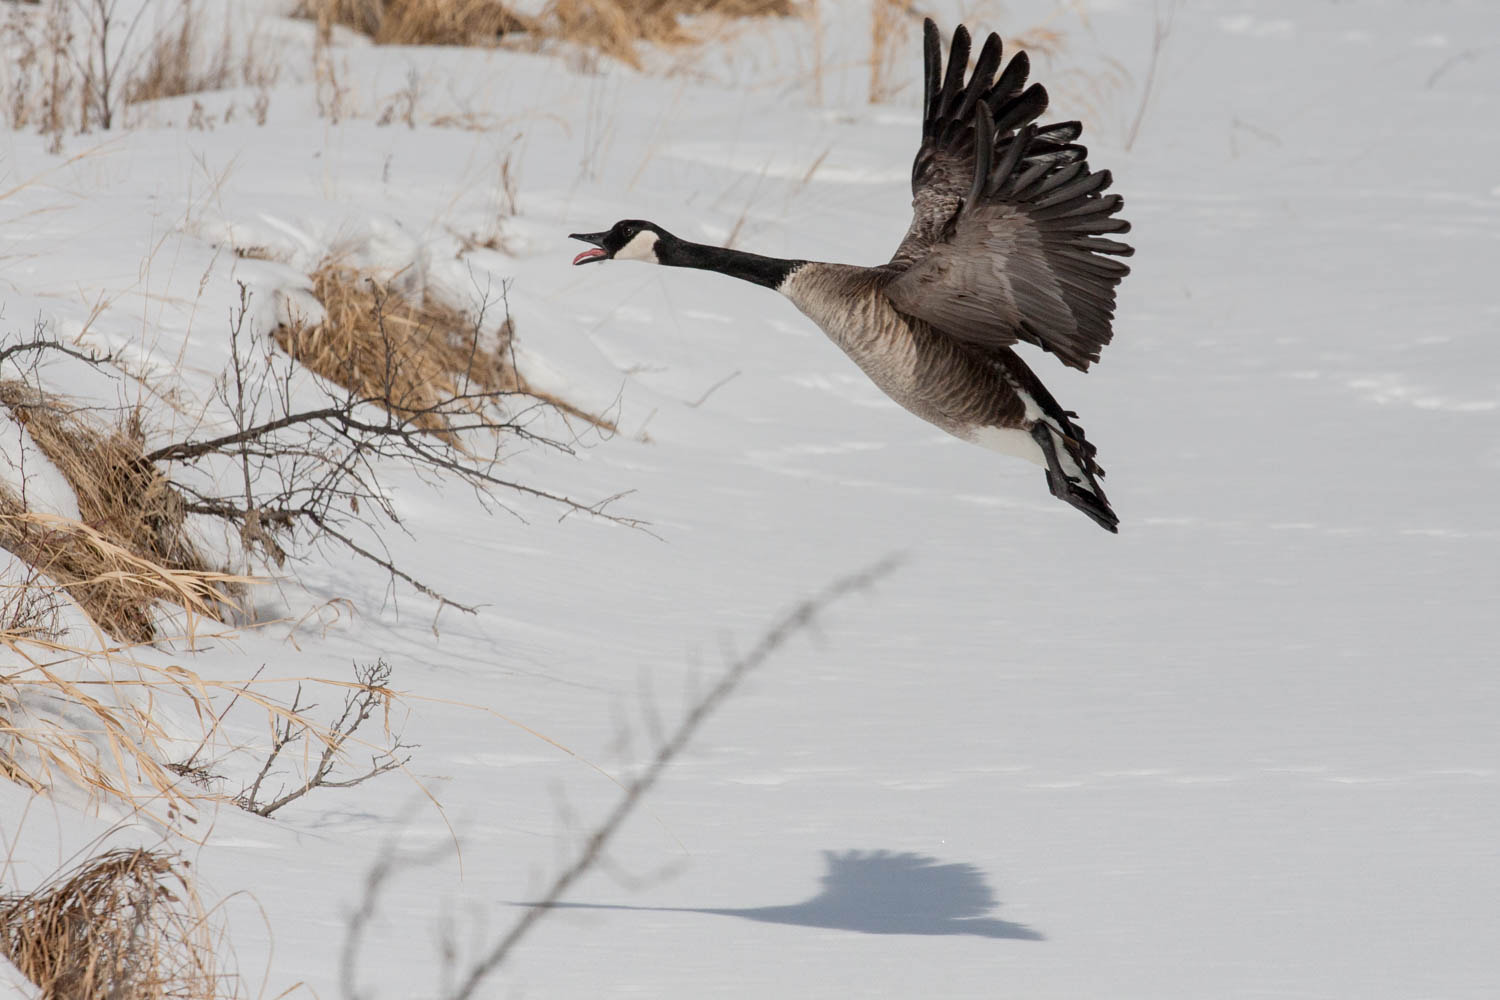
column 132, row 548
column 425, row 362
column 91, row 717
column 78, row 708
column 127, row 924
column 611, row 27
column 616, row 27
column 180, row 60
column 419, row 22
column 411, row 356
column 169, row 66
column 114, row 586
column 38, row 74
column 890, row 20
column 73, row 713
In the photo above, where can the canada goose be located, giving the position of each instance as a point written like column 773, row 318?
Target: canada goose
column 1004, row 245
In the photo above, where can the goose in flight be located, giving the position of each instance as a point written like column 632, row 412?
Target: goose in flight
column 1006, row 244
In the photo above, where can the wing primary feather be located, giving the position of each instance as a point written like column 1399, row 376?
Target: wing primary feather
column 932, row 65
column 1104, row 224
column 1026, row 108
column 1098, row 244
column 1068, row 191
column 984, row 152
column 1106, row 205
column 1019, row 191
column 1058, row 189
column 1058, row 177
column 1015, row 149
column 1057, row 156
column 1012, row 79
column 1061, row 133
column 1081, row 260
column 979, row 82
column 1085, row 291
column 958, row 62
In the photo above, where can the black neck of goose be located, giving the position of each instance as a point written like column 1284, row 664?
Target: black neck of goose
column 768, row 271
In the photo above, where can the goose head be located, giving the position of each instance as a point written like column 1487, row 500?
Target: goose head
column 628, row 239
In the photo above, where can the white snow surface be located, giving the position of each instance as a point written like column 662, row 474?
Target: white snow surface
column 1246, row 749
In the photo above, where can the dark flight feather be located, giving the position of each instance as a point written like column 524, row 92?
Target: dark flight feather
column 1005, row 242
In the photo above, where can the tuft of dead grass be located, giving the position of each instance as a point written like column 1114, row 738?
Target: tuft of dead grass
column 610, row 27
column 419, row 22
column 92, row 719
column 169, row 65
column 889, row 20
column 126, row 924
column 114, row 586
column 416, row 358
column 382, row 345
column 616, row 27
column 66, row 714
column 132, row 547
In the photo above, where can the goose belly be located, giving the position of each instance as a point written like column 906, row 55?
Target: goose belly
column 929, row 375
column 870, row 333
column 900, row 376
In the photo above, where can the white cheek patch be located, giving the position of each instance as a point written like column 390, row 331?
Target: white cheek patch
column 642, row 246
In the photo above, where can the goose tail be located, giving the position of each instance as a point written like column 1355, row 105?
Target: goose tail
column 1072, row 474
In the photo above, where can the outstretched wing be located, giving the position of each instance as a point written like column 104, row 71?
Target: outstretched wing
column 1006, row 238
column 943, row 169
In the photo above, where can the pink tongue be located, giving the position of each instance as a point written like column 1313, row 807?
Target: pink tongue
column 588, row 255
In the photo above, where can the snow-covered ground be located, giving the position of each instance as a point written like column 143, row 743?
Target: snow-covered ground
column 1247, row 748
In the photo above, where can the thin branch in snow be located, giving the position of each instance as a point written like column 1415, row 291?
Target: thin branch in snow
column 1160, row 31
column 802, row 617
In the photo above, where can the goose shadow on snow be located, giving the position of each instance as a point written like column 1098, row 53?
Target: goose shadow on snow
column 876, row 892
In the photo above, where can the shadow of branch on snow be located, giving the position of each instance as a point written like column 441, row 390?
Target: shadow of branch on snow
column 878, row 892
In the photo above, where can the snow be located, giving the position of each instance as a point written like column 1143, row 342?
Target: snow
column 1247, row 748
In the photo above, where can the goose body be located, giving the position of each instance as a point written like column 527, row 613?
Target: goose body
column 1005, row 245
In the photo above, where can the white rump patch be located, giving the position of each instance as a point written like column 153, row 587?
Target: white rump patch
column 642, row 246
column 1020, row 444
column 1009, row 441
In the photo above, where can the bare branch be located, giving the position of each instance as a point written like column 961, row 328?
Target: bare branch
column 317, row 471
column 38, row 344
column 801, row 617
column 1161, row 30
column 390, row 567
column 359, row 705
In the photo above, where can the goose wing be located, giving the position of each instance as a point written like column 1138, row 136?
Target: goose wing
column 1006, row 241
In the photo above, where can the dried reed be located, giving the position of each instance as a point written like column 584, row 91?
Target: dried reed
column 425, row 362
column 419, row 22
column 616, row 27
column 92, row 718
column 132, row 548
column 176, row 62
column 114, row 586
column 127, row 924
column 410, row 356
column 610, row 27
column 889, row 21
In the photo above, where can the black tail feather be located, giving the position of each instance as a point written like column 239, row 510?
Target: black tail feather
column 1088, row 497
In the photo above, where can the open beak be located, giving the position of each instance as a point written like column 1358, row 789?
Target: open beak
column 595, row 238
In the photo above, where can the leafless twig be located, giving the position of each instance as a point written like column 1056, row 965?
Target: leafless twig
column 801, row 617
column 1161, row 29
column 316, row 472
column 1462, row 56
column 359, row 705
column 40, row 342
column 715, row 388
